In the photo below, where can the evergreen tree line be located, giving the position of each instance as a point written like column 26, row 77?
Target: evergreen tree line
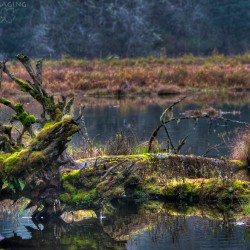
column 126, row 28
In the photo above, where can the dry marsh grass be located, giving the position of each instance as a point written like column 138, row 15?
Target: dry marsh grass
column 241, row 146
column 144, row 76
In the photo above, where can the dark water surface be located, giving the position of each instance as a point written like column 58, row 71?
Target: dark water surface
column 138, row 117
column 130, row 227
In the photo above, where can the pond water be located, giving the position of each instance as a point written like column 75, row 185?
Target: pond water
column 156, row 225
column 138, row 117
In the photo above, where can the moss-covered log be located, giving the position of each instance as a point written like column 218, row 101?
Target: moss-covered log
column 151, row 176
column 31, row 170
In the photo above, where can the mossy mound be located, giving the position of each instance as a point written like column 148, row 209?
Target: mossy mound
column 150, row 176
column 208, row 190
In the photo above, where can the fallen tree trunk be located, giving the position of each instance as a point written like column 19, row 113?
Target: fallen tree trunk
column 30, row 171
column 151, row 176
column 102, row 179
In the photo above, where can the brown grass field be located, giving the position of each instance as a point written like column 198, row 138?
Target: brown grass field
column 142, row 76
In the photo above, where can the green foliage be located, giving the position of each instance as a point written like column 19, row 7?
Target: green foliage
column 73, row 175
column 21, row 184
column 84, row 198
column 245, row 205
column 8, row 184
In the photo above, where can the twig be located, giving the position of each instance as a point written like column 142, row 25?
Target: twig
column 212, row 148
column 27, row 64
column 39, row 68
column 181, row 144
column 68, row 105
column 152, row 137
column 169, row 138
column 111, row 169
column 163, row 116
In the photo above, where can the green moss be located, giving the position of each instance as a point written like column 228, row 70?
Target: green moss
column 87, row 172
column 36, row 156
column 239, row 163
column 24, row 86
column 90, row 181
column 65, row 197
column 5, row 101
column 84, row 198
column 114, row 192
column 68, row 187
column 151, row 188
column 12, row 163
column 73, row 128
column 182, row 190
column 4, row 156
column 73, row 175
column 213, row 189
column 58, row 114
column 19, row 107
column 30, row 119
column 48, row 124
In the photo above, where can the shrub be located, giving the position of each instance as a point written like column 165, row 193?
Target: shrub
column 241, row 149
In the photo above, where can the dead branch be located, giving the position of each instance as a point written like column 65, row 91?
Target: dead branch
column 52, row 111
column 111, row 169
column 211, row 115
column 212, row 148
column 181, row 144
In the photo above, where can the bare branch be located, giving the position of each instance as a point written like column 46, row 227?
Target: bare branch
column 80, row 113
column 27, row 64
column 212, row 148
column 39, row 68
column 169, row 138
column 68, row 106
column 152, row 137
column 181, row 144
column 111, row 169
column 164, row 114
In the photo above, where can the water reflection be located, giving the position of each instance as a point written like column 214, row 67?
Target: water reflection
column 153, row 225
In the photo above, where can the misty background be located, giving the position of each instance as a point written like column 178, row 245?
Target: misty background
column 126, row 28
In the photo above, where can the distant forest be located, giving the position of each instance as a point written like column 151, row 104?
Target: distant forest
column 125, row 28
